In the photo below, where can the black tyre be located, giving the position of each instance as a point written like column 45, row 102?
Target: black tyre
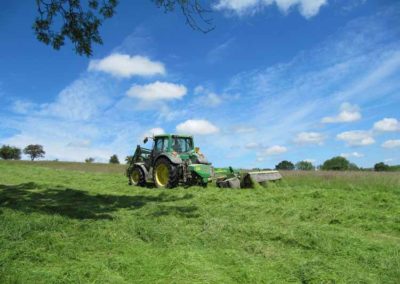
column 165, row 174
column 136, row 177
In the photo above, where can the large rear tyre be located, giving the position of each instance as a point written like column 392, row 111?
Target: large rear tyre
column 165, row 174
column 137, row 177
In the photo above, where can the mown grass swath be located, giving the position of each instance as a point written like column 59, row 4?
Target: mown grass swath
column 70, row 222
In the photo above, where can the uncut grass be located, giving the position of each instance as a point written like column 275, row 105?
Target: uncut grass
column 82, row 226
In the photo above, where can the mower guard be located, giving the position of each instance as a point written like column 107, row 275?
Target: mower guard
column 230, row 178
column 261, row 176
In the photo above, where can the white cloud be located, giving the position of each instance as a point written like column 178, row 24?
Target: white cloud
column 125, row 66
column 23, row 107
column 260, row 159
column 387, row 125
column 80, row 143
column 348, row 113
column 83, row 99
column 154, row 131
column 356, row 138
column 197, row 127
column 168, row 114
column 352, row 154
column 312, row 161
column 350, row 5
column 241, row 129
column 307, row 8
column 199, row 90
column 390, row 144
column 309, row 138
column 252, row 145
column 217, row 53
column 274, row 150
column 207, row 98
column 270, row 151
column 157, row 91
column 212, row 100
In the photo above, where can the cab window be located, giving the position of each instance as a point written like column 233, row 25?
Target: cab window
column 161, row 144
column 158, row 145
column 181, row 145
column 165, row 144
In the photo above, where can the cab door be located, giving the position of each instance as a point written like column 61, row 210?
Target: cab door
column 160, row 146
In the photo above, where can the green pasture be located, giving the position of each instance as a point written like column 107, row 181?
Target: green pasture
column 82, row 223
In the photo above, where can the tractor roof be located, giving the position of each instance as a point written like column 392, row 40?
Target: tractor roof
column 173, row 135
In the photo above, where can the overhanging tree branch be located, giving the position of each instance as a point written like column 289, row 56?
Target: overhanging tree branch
column 80, row 21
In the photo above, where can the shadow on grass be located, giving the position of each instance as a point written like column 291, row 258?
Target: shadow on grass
column 78, row 204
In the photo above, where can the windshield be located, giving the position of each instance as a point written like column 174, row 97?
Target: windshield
column 181, row 145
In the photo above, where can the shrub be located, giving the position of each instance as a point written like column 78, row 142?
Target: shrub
column 353, row 167
column 336, row 164
column 10, row 153
column 394, row 168
column 304, row 166
column 114, row 159
column 381, row 167
column 285, row 165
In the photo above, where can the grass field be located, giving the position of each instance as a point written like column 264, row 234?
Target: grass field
column 71, row 222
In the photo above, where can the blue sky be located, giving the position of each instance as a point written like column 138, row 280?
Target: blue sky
column 294, row 79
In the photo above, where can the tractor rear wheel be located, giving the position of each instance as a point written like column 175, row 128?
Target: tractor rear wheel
column 165, row 174
column 136, row 177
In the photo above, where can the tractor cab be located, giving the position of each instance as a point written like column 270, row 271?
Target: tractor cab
column 172, row 143
column 173, row 146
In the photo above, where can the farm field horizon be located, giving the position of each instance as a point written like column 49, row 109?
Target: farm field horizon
column 75, row 222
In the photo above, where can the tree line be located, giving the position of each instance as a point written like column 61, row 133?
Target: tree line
column 113, row 159
column 35, row 151
column 337, row 163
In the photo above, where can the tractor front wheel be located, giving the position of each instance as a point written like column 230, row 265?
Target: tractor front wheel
column 136, row 177
column 165, row 174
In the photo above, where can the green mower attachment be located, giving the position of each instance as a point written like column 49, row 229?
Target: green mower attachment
column 230, row 178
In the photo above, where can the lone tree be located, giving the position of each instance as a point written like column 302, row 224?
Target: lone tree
column 336, row 164
column 381, row 167
column 10, row 153
column 114, row 159
column 305, row 166
column 34, row 151
column 80, row 20
column 285, row 165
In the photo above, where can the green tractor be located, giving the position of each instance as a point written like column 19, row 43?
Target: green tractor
column 174, row 160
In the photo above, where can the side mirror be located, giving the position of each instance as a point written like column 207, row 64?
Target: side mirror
column 145, row 140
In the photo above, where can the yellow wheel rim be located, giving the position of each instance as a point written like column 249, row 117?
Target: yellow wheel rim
column 162, row 175
column 135, row 176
